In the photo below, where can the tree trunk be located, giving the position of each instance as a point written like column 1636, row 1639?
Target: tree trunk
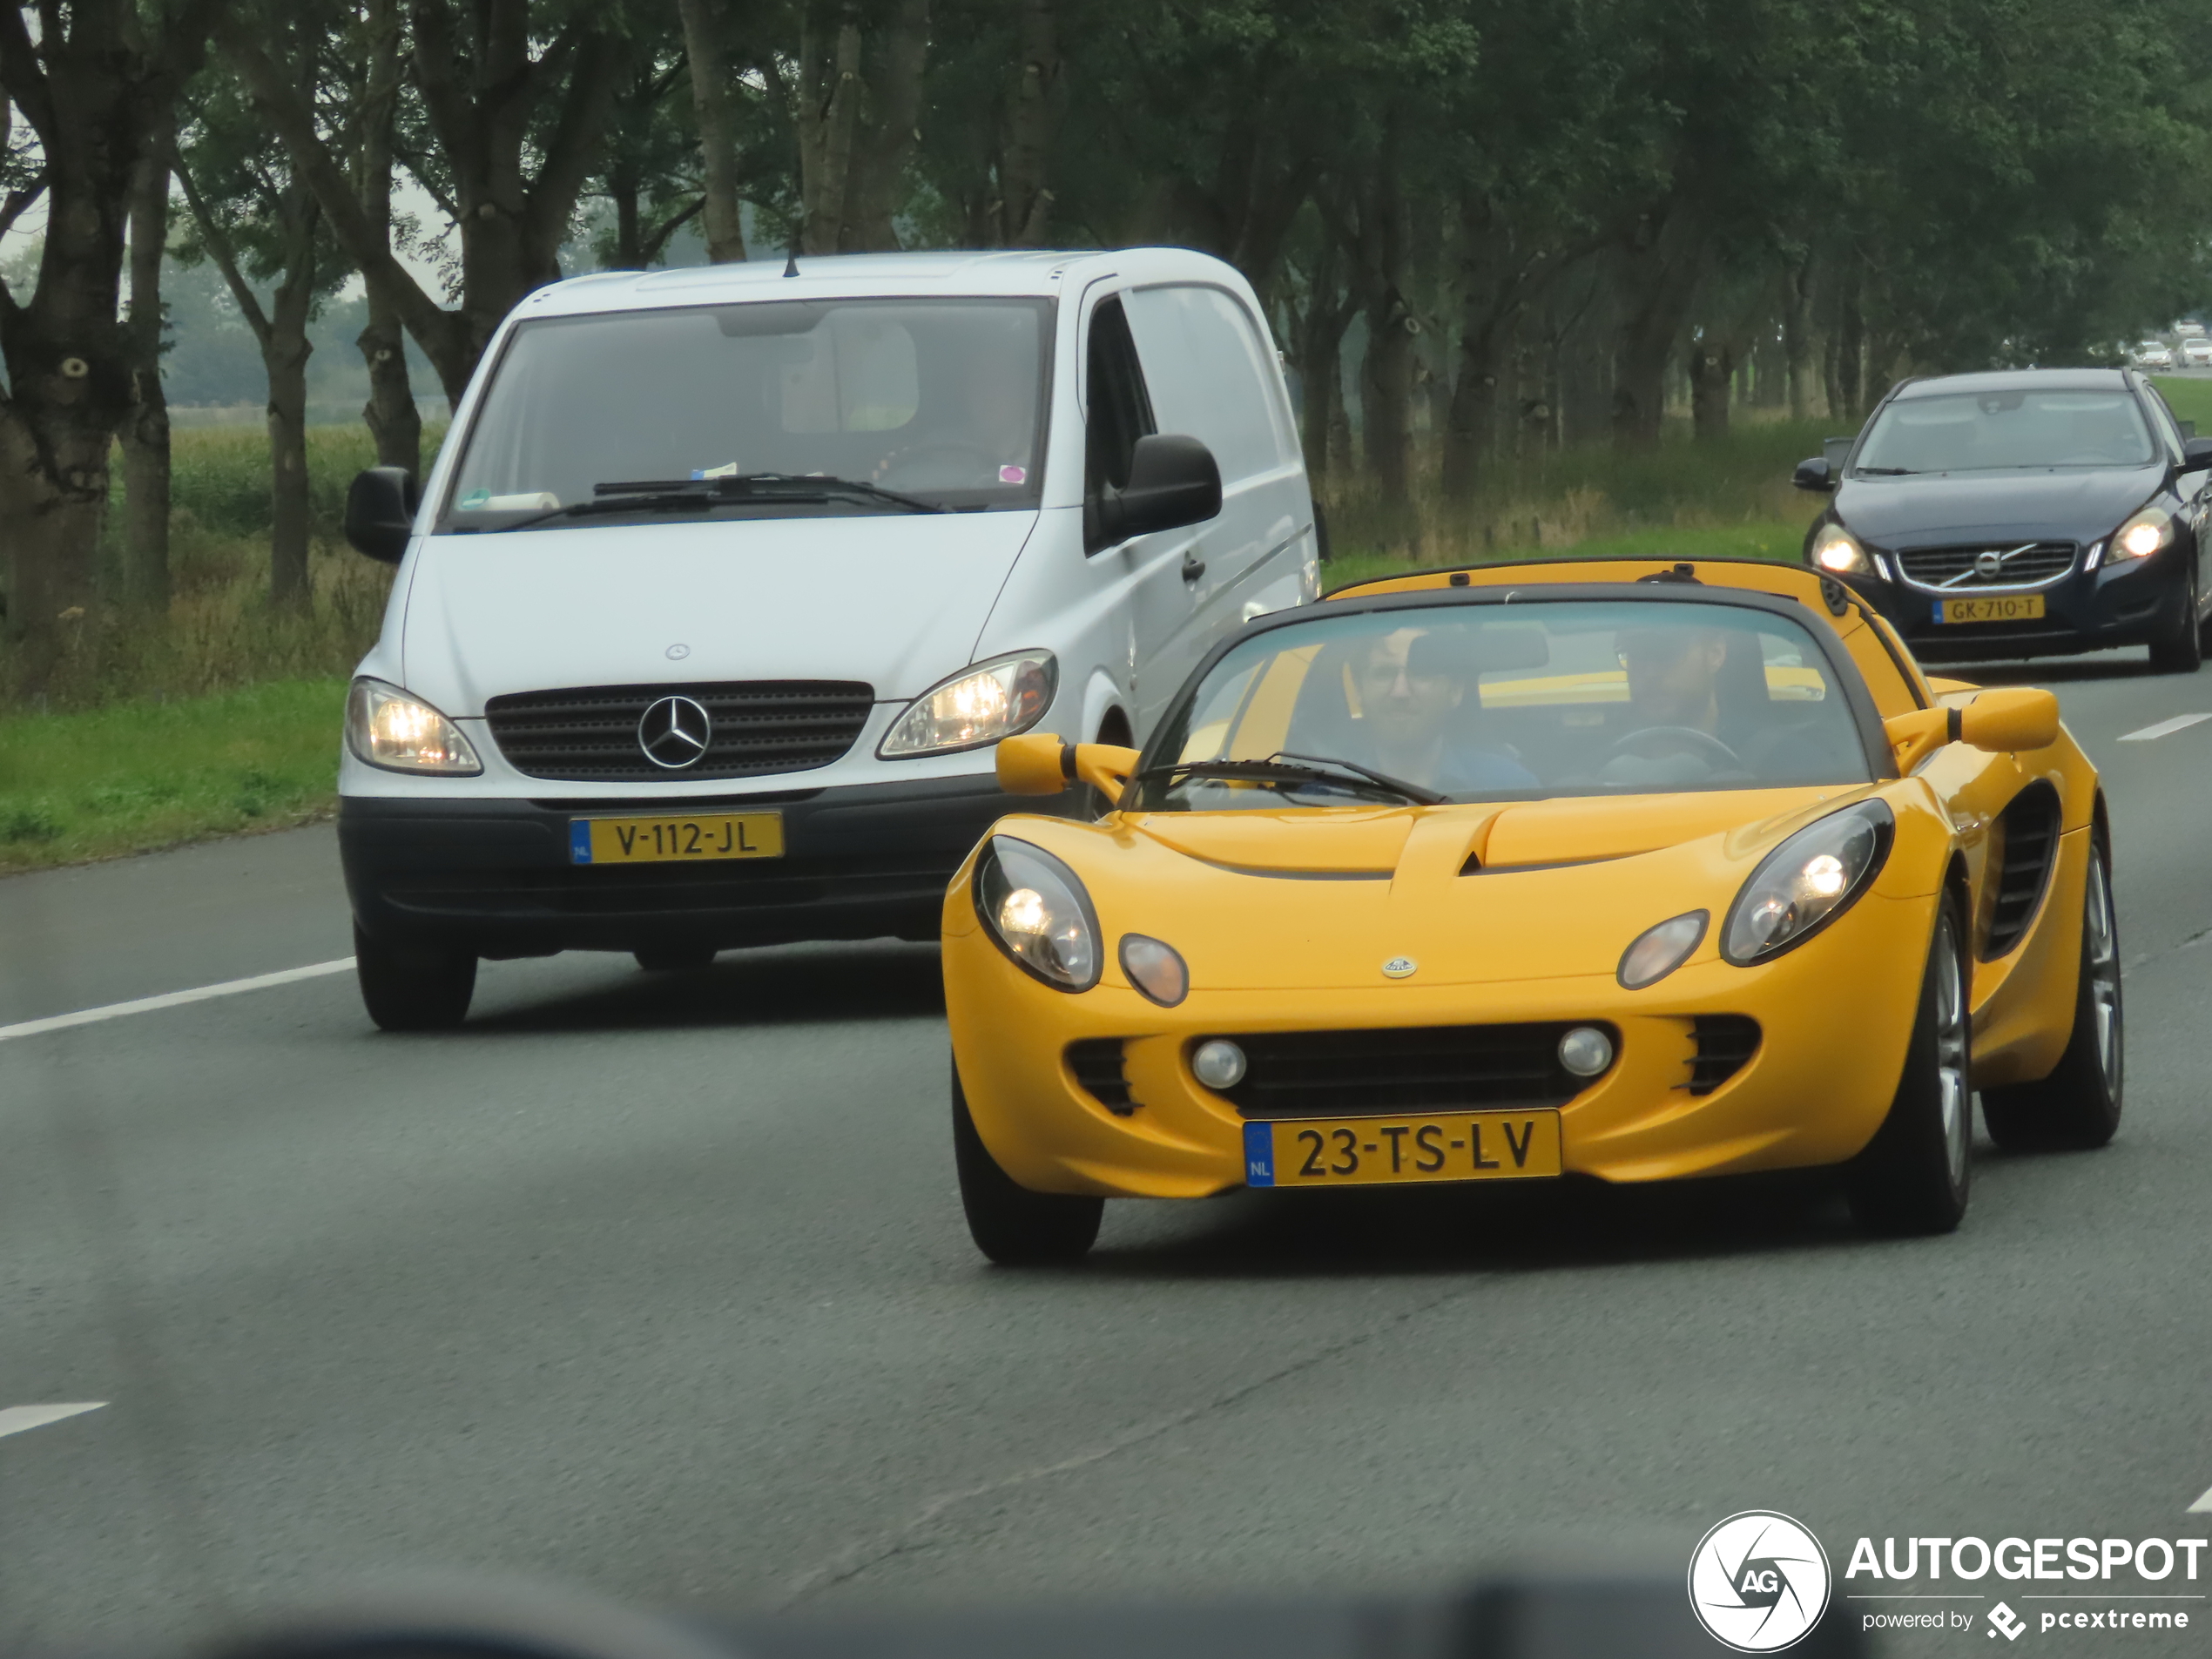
column 285, row 355
column 393, row 420
column 1712, row 373
column 392, row 417
column 1658, row 280
column 1386, row 398
column 829, row 111
column 1851, row 345
column 1321, row 378
column 1025, row 202
column 145, row 436
column 1797, row 344
column 721, row 218
column 894, row 89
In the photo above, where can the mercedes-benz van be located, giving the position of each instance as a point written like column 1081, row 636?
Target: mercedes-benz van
column 727, row 580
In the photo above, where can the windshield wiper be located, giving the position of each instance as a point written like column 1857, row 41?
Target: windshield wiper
column 1887, row 472
column 671, row 494
column 1342, row 774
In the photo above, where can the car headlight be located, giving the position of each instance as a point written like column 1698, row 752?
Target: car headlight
column 1035, row 907
column 1836, row 551
column 2142, row 536
column 1001, row 698
column 388, row 728
column 1807, row 882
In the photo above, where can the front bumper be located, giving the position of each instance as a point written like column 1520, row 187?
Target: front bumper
column 1812, row 1094
column 493, row 876
column 2128, row 604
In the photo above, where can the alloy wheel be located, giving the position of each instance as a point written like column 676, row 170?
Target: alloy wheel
column 1951, row 1053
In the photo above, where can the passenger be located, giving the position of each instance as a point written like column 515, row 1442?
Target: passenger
column 1412, row 689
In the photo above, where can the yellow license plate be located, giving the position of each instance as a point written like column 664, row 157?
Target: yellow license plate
column 2014, row 607
column 1432, row 1146
column 675, row 841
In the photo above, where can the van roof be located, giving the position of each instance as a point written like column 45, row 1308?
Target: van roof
column 1010, row 272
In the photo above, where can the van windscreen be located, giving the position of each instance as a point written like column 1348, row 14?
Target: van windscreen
column 936, row 399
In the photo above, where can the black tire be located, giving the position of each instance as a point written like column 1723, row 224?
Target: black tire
column 413, row 989
column 1012, row 1225
column 1916, row 1174
column 674, row 959
column 2178, row 647
column 2077, row 1107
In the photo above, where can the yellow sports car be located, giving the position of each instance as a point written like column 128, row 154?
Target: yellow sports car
column 1619, row 868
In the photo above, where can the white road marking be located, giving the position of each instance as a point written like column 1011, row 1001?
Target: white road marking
column 172, row 1000
column 16, row 1419
column 2165, row 728
column 2202, row 1505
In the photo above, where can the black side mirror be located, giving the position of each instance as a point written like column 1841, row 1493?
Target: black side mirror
column 1173, row 481
column 2197, row 453
column 1815, row 474
column 379, row 512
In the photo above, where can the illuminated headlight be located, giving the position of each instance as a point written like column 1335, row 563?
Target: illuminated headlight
column 1035, row 907
column 1001, row 699
column 1658, row 951
column 1836, row 551
column 2142, row 536
column 386, row 727
column 1807, row 882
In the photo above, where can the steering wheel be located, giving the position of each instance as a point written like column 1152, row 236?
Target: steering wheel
column 898, row 461
column 1651, row 742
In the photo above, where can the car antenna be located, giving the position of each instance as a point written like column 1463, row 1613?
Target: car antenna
column 791, row 261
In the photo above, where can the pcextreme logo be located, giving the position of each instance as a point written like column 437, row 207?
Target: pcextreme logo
column 1759, row 1581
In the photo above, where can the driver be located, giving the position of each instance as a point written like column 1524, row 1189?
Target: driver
column 1412, row 689
column 979, row 436
column 1673, row 733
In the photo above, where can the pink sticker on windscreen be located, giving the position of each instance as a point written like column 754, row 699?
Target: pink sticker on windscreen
column 1014, row 475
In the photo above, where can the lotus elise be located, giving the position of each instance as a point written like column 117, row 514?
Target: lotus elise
column 1621, row 869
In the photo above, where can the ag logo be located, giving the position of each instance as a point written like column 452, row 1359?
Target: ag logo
column 1759, row 1581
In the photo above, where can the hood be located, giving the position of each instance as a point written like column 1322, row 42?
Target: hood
column 895, row 600
column 1301, row 899
column 1940, row 508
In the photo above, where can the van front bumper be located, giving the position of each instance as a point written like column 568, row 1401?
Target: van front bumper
column 494, row 877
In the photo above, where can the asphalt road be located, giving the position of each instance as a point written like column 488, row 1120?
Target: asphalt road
column 659, row 1285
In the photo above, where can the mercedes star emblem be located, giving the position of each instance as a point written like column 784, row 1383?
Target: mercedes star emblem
column 673, row 732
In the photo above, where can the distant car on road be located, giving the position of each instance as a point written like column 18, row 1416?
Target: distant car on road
column 2027, row 513
column 1620, row 868
column 2154, row 354
column 2197, row 352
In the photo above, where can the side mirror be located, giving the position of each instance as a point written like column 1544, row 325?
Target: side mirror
column 1172, row 482
column 2197, row 453
column 379, row 512
column 1040, row 763
column 2012, row 717
column 1815, row 474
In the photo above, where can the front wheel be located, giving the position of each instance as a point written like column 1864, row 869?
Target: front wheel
column 2078, row 1105
column 420, row 990
column 2180, row 648
column 1915, row 1174
column 1012, row 1225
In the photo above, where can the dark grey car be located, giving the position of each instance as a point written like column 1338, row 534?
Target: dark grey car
column 2023, row 513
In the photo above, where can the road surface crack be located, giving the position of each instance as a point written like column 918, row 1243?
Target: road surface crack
column 2200, row 937
column 909, row 1538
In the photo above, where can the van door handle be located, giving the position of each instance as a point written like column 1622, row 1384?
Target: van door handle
column 1193, row 566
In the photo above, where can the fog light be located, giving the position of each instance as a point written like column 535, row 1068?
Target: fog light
column 1585, row 1051
column 1219, row 1063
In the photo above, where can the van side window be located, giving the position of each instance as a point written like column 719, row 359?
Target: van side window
column 1213, row 375
column 1121, row 409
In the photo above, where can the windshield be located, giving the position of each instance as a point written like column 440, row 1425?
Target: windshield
column 935, row 400
column 1565, row 697
column 1988, row 431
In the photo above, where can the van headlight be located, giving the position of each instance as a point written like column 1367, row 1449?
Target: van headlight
column 1807, row 882
column 388, row 728
column 1001, row 698
column 1035, row 907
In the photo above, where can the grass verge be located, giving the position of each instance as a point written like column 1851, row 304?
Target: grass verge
column 133, row 776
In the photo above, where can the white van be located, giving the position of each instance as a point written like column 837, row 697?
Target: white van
column 727, row 580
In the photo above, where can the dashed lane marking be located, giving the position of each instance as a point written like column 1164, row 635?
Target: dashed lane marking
column 2203, row 1505
column 2165, row 728
column 171, row 1000
column 16, row 1419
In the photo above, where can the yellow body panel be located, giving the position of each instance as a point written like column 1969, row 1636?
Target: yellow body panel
column 1286, row 918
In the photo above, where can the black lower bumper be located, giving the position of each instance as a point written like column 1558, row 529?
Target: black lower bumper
column 494, row 877
column 2131, row 604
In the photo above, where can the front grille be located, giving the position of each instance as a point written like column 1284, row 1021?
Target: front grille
column 1097, row 1062
column 1443, row 1068
column 2030, row 828
column 1723, row 1043
column 759, row 727
column 1943, row 567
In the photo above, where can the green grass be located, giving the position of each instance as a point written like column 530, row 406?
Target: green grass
column 2191, row 400
column 133, row 776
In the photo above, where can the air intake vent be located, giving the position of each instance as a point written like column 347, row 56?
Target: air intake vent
column 1951, row 567
column 754, row 729
column 1416, row 1068
column 2027, row 832
column 1097, row 1062
column 1723, row 1043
